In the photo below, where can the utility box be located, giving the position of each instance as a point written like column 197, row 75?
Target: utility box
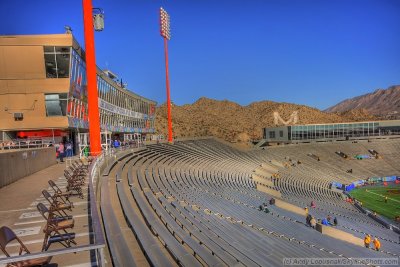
column 98, row 22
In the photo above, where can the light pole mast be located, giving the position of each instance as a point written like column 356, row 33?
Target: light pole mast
column 166, row 34
column 93, row 104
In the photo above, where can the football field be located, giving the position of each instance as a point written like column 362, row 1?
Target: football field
column 373, row 198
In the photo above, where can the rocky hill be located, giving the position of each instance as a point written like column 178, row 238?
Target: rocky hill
column 235, row 123
column 382, row 103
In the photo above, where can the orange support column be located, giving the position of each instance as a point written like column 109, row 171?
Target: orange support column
column 93, row 105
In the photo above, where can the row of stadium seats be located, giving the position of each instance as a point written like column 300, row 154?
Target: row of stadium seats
column 194, row 203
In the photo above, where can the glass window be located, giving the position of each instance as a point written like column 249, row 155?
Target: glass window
column 57, row 60
column 280, row 133
column 56, row 104
column 49, row 49
column 272, row 134
column 51, row 65
column 62, row 65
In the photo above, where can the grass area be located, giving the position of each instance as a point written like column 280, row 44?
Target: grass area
column 373, row 198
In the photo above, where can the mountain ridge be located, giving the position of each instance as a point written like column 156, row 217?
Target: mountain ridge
column 383, row 103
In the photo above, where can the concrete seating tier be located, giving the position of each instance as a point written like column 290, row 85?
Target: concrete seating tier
column 195, row 203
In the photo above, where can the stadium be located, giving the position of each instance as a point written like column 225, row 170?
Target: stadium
column 307, row 193
column 197, row 201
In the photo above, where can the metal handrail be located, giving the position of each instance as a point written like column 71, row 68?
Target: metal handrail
column 98, row 236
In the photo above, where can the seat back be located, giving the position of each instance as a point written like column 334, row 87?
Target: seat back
column 47, row 196
column 53, row 185
column 44, row 211
column 6, row 236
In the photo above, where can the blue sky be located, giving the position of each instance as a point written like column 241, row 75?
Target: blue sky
column 313, row 52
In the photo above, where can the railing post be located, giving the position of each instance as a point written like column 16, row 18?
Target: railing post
column 102, row 258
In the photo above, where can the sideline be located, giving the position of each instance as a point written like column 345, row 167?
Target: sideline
column 381, row 195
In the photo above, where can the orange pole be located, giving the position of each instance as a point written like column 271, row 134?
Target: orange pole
column 93, row 105
column 168, row 92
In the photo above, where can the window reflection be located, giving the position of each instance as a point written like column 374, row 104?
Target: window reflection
column 56, row 104
column 56, row 59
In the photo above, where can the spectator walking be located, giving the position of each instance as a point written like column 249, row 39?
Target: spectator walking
column 68, row 149
column 367, row 240
column 116, row 143
column 377, row 244
column 61, row 151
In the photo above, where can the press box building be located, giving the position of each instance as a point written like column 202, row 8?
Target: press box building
column 331, row 132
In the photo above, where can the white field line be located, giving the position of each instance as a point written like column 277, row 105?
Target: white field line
column 383, row 196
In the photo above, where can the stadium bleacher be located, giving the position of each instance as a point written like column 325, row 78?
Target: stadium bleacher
column 196, row 203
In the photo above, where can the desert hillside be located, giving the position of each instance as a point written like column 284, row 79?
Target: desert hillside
column 236, row 123
column 382, row 103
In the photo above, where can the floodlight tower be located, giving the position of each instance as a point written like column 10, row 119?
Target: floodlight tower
column 93, row 105
column 166, row 34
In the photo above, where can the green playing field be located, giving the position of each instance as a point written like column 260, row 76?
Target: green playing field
column 373, row 198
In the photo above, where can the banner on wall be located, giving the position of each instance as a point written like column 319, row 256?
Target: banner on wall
column 337, row 185
column 385, row 181
column 350, row 187
column 122, row 111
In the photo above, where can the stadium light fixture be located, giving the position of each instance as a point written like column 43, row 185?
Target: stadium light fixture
column 165, row 32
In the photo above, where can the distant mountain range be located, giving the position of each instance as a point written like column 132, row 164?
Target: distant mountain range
column 382, row 103
column 235, row 123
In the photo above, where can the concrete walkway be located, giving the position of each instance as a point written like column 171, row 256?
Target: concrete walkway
column 18, row 211
column 16, row 198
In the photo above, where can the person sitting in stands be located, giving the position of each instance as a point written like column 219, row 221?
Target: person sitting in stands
column 367, row 240
column 328, row 218
column 308, row 220
column 377, row 244
column 313, row 204
column 313, row 222
column 325, row 221
column 335, row 221
column 260, row 207
column 266, row 210
column 272, row 201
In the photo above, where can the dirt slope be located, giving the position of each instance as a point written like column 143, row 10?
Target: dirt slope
column 235, row 123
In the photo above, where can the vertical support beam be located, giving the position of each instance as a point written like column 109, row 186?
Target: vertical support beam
column 168, row 91
column 94, row 119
